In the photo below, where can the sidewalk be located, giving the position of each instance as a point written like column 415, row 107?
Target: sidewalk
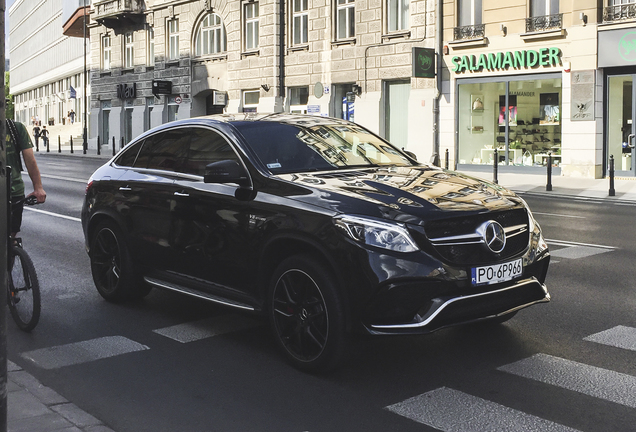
column 32, row 407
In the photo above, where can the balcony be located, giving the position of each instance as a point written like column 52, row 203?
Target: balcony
column 119, row 14
column 619, row 13
column 477, row 31
column 544, row 23
column 75, row 14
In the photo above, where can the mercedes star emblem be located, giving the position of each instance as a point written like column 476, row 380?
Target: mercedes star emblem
column 494, row 236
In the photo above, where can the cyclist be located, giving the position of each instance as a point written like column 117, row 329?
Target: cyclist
column 18, row 141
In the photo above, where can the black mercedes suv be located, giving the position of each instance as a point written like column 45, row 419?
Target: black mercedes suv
column 314, row 222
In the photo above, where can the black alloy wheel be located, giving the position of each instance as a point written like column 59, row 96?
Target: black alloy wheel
column 112, row 267
column 307, row 315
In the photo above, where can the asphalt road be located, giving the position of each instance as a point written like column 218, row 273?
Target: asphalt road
column 171, row 363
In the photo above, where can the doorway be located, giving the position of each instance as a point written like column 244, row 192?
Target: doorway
column 621, row 125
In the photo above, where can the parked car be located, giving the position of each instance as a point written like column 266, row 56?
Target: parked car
column 315, row 222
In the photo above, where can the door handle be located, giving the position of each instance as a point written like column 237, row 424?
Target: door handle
column 125, row 188
column 182, row 194
column 630, row 140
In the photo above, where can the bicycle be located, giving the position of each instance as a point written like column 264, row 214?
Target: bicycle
column 23, row 288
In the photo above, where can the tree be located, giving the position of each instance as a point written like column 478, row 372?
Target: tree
column 10, row 108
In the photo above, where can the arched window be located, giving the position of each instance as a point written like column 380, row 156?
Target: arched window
column 210, row 37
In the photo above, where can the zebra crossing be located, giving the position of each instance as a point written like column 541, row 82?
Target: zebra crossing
column 451, row 410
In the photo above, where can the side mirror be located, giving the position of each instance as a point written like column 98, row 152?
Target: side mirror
column 226, row 171
column 410, row 154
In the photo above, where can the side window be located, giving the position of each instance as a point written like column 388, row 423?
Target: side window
column 206, row 146
column 164, row 151
column 127, row 158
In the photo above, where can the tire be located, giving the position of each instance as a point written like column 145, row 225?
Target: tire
column 23, row 291
column 112, row 267
column 307, row 315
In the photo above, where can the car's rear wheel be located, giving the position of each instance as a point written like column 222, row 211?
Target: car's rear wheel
column 112, row 267
column 307, row 314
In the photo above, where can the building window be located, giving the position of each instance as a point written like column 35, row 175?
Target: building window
column 298, row 98
column 173, row 39
column 345, row 19
column 398, row 14
column 469, row 12
column 250, row 11
column 544, row 7
column 250, row 100
column 128, row 50
column 151, row 46
column 300, row 22
column 210, row 36
column 106, row 52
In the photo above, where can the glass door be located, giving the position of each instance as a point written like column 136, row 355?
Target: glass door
column 621, row 131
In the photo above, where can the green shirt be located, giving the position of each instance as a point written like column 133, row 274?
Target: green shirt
column 13, row 157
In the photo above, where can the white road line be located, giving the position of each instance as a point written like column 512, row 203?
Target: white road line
column 619, row 336
column 63, row 178
column 82, row 352
column 53, row 214
column 589, row 380
column 559, row 215
column 571, row 243
column 575, row 252
column 454, row 411
column 206, row 328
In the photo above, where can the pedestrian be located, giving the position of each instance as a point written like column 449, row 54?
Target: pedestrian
column 45, row 136
column 37, row 120
column 72, row 115
column 36, row 135
column 19, row 142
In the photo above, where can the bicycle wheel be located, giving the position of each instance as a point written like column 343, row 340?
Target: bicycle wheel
column 24, row 290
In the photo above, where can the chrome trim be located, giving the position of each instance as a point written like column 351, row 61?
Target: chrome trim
column 475, row 238
column 197, row 294
column 456, row 299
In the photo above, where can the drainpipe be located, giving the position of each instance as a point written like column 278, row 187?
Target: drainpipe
column 438, row 75
column 281, row 54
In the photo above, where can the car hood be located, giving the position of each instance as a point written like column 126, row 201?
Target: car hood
column 408, row 194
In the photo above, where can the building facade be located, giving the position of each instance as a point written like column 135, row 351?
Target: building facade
column 47, row 66
column 540, row 78
column 344, row 58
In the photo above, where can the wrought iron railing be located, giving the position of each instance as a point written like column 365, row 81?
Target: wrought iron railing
column 470, row 32
column 619, row 12
column 544, row 23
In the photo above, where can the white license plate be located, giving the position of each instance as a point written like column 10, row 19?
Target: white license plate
column 496, row 273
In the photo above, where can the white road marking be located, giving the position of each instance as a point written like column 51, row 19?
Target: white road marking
column 48, row 213
column 619, row 336
column 206, row 328
column 589, row 380
column 75, row 180
column 575, row 252
column 82, row 352
column 559, row 215
column 571, row 243
column 454, row 411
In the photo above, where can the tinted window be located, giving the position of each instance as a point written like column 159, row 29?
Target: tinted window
column 288, row 148
column 206, row 146
column 127, row 158
column 164, row 151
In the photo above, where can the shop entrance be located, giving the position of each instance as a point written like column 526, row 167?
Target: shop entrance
column 621, row 125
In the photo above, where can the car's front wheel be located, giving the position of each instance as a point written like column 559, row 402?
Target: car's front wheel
column 111, row 265
column 307, row 314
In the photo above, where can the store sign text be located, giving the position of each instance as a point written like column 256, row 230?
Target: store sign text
column 126, row 91
column 506, row 60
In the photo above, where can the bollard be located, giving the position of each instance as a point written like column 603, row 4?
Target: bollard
column 47, row 146
column 494, row 169
column 446, row 159
column 548, row 186
column 98, row 149
column 59, row 144
column 121, row 142
column 113, row 146
column 71, row 144
column 85, row 142
column 612, row 191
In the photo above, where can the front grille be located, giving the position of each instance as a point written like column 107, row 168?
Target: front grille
column 463, row 246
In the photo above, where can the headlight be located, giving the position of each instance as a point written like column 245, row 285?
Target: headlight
column 385, row 235
column 532, row 223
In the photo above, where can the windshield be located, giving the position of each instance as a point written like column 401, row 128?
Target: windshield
column 290, row 148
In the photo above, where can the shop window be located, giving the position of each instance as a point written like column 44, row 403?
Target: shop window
column 520, row 119
column 298, row 98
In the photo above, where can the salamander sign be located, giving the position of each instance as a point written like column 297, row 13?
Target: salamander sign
column 523, row 59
